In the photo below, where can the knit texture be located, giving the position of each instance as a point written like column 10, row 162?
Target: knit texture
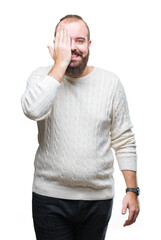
column 79, row 120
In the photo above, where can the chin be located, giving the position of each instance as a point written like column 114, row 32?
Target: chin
column 77, row 67
column 74, row 63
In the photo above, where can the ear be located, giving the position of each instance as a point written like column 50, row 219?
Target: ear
column 54, row 41
column 89, row 43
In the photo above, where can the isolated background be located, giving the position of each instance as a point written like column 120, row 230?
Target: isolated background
column 126, row 40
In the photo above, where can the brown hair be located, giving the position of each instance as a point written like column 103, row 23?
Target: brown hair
column 73, row 18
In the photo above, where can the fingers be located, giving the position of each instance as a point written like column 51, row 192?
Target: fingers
column 131, row 219
column 63, row 39
column 50, row 50
column 62, row 50
column 132, row 203
column 68, row 40
column 57, row 37
column 64, row 35
column 124, row 208
column 61, row 36
column 133, row 213
column 124, row 205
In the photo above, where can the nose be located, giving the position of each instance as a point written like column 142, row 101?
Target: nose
column 73, row 45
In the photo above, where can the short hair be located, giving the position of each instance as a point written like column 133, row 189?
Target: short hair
column 73, row 18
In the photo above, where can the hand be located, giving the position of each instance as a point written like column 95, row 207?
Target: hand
column 130, row 202
column 62, row 50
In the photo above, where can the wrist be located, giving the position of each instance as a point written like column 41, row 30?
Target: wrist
column 133, row 191
column 58, row 71
column 61, row 64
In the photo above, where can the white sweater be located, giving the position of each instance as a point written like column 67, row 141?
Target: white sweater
column 79, row 121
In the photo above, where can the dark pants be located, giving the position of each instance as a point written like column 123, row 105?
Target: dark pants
column 64, row 219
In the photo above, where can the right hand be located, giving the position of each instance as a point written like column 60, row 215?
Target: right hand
column 62, row 50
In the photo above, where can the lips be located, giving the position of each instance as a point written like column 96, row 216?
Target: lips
column 75, row 56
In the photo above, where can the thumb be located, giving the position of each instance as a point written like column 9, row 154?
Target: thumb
column 124, row 207
column 50, row 50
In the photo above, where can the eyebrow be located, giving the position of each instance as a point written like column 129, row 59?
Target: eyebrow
column 80, row 38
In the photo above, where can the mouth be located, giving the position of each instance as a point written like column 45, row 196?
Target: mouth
column 74, row 56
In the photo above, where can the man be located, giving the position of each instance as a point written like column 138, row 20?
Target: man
column 81, row 113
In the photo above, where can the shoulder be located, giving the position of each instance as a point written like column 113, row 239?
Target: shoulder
column 38, row 74
column 42, row 70
column 107, row 76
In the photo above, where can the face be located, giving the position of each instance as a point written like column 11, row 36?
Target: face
column 79, row 47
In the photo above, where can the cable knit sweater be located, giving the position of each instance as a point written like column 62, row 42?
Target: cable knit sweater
column 79, row 120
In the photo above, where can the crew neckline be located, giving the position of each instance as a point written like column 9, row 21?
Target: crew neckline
column 80, row 79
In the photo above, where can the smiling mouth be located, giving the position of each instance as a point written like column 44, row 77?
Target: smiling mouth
column 74, row 56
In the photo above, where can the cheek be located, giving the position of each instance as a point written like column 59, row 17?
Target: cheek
column 83, row 49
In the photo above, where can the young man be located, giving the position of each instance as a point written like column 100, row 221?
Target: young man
column 81, row 113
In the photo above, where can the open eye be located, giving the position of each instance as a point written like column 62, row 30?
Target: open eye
column 80, row 41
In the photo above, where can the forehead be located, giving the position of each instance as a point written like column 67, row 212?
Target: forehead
column 75, row 28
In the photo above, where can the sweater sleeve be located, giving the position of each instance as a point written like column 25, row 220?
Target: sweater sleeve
column 39, row 95
column 122, row 137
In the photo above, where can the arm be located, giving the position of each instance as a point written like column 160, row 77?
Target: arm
column 123, row 142
column 41, row 90
column 39, row 95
